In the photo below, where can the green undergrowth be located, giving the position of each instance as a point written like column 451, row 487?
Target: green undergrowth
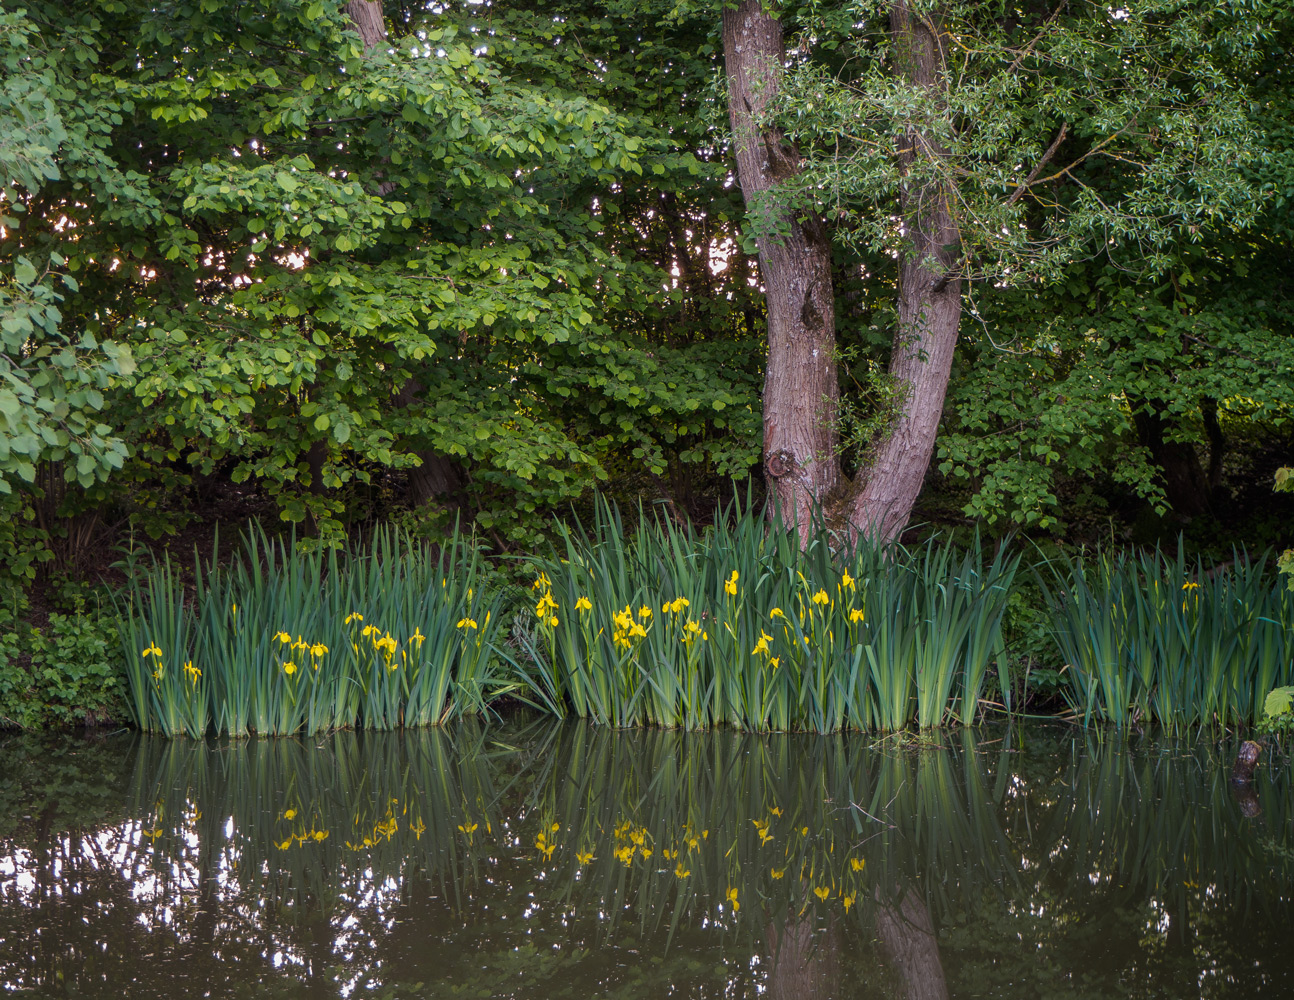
column 64, row 672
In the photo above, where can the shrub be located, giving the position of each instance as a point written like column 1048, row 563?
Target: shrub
column 67, row 673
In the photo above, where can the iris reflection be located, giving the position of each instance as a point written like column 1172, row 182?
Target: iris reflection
column 520, row 860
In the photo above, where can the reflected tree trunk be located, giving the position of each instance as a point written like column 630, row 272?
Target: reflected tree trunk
column 804, row 964
column 907, row 936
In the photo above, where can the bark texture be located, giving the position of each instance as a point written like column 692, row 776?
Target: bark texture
column 800, row 387
column 366, row 15
column 929, row 298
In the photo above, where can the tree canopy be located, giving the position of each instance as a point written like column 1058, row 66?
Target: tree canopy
column 506, row 249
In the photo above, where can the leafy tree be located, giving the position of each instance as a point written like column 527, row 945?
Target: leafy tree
column 321, row 261
column 1153, row 381
column 1028, row 139
column 52, row 379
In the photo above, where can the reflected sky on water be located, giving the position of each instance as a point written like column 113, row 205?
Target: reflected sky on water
column 529, row 859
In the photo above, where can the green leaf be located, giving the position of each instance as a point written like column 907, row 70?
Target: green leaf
column 1279, row 702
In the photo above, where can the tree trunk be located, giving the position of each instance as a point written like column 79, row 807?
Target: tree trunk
column 800, row 389
column 929, row 298
column 366, row 15
column 1217, row 444
column 1185, row 484
column 438, row 475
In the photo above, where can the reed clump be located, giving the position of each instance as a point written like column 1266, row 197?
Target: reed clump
column 289, row 640
column 740, row 626
column 1160, row 637
column 657, row 624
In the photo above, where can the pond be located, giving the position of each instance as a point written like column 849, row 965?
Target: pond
column 532, row 859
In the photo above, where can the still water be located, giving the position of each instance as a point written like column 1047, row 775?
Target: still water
column 529, row 859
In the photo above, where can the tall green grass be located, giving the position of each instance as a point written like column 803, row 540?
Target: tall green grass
column 740, row 626
column 290, row 640
column 1158, row 637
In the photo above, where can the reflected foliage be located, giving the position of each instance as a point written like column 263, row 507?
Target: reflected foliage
column 544, row 860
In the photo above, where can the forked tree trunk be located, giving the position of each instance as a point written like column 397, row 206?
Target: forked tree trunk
column 800, row 388
column 929, row 303
column 438, row 476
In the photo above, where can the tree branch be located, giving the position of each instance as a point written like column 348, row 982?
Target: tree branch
column 1037, row 167
column 1036, row 39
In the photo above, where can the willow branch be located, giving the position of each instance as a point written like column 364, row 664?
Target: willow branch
column 1037, row 167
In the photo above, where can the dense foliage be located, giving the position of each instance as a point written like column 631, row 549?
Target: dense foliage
column 507, row 245
column 246, row 250
column 1120, row 186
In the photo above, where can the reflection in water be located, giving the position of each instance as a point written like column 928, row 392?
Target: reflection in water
column 543, row 860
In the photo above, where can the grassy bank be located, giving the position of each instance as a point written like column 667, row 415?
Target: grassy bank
column 656, row 624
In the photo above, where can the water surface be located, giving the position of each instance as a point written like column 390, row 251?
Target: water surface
column 535, row 860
